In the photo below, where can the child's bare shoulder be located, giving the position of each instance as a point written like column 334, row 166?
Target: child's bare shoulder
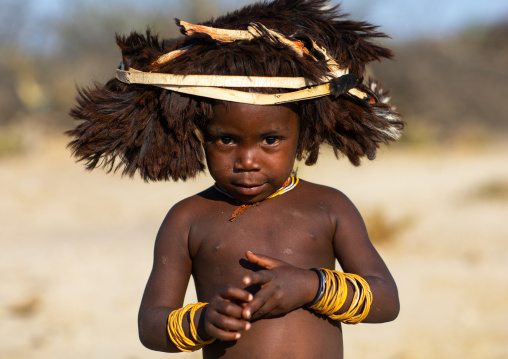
column 334, row 202
column 173, row 244
column 189, row 212
column 328, row 196
column 190, row 209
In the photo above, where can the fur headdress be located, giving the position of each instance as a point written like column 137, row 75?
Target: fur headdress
column 151, row 117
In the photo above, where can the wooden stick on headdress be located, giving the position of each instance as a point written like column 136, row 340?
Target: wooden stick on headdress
column 216, row 87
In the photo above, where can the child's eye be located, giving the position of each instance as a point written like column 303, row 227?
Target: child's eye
column 272, row 140
column 225, row 140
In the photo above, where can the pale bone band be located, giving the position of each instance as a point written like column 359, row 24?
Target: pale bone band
column 253, row 31
column 250, row 97
column 133, row 76
column 200, row 85
column 259, row 98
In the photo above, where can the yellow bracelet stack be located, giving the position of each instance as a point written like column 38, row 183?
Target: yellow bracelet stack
column 177, row 334
column 335, row 293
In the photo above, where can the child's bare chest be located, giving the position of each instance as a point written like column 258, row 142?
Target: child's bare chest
column 294, row 234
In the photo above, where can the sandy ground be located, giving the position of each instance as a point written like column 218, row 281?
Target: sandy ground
column 76, row 251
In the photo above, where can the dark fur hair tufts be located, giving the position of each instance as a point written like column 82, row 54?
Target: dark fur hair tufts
column 157, row 132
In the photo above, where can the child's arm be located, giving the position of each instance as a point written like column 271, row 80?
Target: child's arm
column 356, row 254
column 285, row 287
column 165, row 291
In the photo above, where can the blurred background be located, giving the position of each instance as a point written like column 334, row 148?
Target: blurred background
column 76, row 247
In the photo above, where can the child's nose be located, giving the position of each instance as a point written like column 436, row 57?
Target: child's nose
column 247, row 159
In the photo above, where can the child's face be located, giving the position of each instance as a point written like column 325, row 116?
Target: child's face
column 250, row 149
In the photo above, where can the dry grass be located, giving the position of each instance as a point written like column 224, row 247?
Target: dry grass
column 384, row 230
column 418, row 134
column 496, row 189
column 26, row 307
column 11, row 142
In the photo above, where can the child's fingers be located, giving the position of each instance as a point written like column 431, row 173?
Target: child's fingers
column 225, row 322
column 223, row 327
column 268, row 309
column 227, row 308
column 228, row 301
column 223, row 316
column 222, row 334
column 230, row 292
column 259, row 277
column 263, row 261
column 260, row 300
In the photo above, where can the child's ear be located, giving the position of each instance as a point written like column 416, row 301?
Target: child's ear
column 199, row 135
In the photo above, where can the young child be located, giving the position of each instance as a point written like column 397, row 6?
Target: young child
column 261, row 87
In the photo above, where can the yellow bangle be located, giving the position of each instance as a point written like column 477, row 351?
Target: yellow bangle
column 177, row 334
column 335, row 295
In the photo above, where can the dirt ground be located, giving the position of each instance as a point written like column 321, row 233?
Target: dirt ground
column 76, row 251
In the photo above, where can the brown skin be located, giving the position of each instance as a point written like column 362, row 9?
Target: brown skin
column 257, row 301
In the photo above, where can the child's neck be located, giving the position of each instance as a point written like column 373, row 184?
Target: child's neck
column 290, row 184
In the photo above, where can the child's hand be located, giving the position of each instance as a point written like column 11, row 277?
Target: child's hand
column 223, row 317
column 283, row 287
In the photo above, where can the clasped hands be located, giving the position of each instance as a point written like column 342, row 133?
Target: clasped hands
column 283, row 288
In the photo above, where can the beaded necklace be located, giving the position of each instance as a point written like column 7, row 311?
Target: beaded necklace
column 290, row 184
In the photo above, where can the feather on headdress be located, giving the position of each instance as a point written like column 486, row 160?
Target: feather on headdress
column 267, row 53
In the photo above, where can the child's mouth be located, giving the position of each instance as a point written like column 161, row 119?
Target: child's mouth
column 248, row 189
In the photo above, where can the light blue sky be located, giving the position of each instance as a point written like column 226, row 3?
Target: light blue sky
column 403, row 20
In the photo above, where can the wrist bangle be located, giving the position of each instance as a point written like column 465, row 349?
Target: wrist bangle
column 335, row 294
column 321, row 288
column 177, row 334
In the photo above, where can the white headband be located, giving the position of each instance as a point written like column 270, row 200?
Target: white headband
column 216, row 87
